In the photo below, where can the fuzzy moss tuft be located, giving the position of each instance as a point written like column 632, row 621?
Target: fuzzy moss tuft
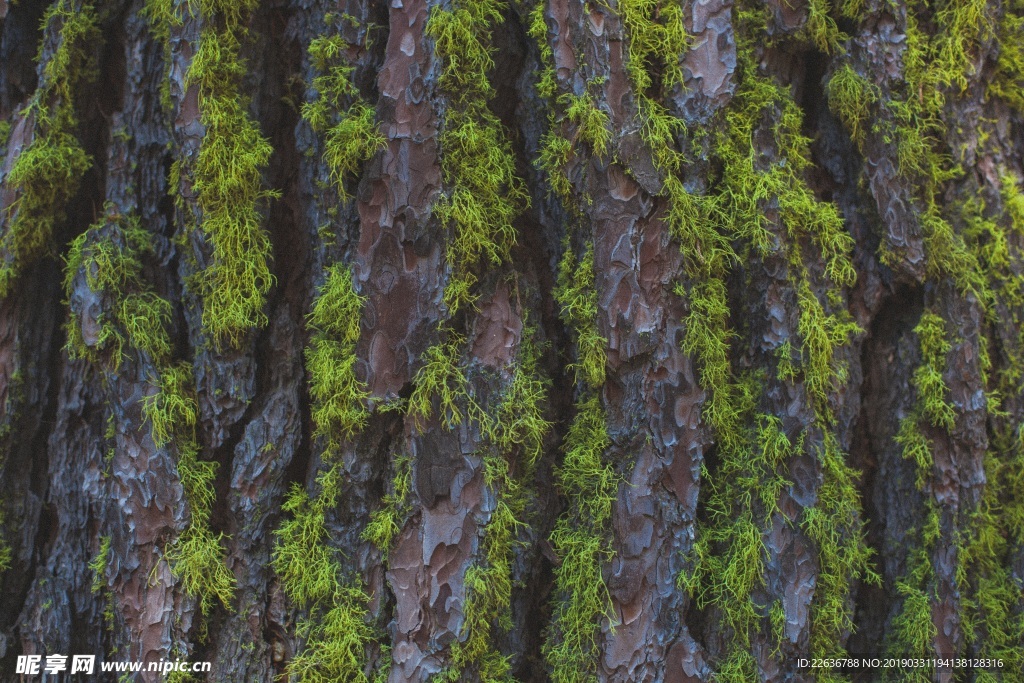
column 339, row 397
column 576, row 296
column 335, row 629
column 46, row 175
column 227, row 179
column 338, row 111
column 99, row 564
column 226, row 175
column 386, row 521
column 477, row 162
column 581, row 540
column 850, row 97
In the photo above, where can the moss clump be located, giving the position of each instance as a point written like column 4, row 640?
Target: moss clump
column 197, row 556
column 440, row 380
column 582, row 540
column 577, row 298
column 335, row 629
column 109, row 255
column 227, row 179
column 477, row 162
column 339, row 409
column 851, row 97
column 913, row 630
column 760, row 206
column 932, row 391
column 46, row 175
column 98, row 565
column 339, row 112
column 517, row 430
column 1008, row 80
column 385, row 522
column 226, row 175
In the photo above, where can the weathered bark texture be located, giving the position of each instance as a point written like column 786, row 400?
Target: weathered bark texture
column 569, row 340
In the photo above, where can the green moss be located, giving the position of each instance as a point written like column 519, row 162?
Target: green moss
column 657, row 40
column 964, row 25
column 46, row 174
column 227, row 180
column 98, row 565
column 338, row 111
column 109, row 256
column 338, row 396
column 441, row 379
column 518, row 430
column 581, row 539
column 931, row 388
column 172, row 406
column 851, row 98
column 820, row 29
column 576, row 296
column 335, row 629
column 5, row 134
column 197, row 555
column 538, row 30
column 590, row 121
column 386, row 521
column 913, row 630
column 485, row 193
column 226, row 175
column 1008, row 80
column 336, row 641
column 822, row 334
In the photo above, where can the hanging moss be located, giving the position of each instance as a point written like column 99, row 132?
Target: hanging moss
column 714, row 231
column 336, row 630
column 46, row 174
column 582, row 540
column 226, row 174
column 485, row 193
column 1008, row 80
column 109, row 258
column 338, row 396
column 338, row 111
column 386, row 521
column 576, row 296
column 517, row 429
column 851, row 98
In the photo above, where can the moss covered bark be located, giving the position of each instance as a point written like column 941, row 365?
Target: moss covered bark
column 494, row 340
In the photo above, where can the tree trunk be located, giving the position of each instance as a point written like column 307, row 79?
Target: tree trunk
column 538, row 340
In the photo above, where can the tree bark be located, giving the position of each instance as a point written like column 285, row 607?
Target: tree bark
column 637, row 340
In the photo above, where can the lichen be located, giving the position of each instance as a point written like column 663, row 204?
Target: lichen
column 339, row 397
column 46, row 174
column 582, row 541
column 226, row 174
column 339, row 112
column 485, row 194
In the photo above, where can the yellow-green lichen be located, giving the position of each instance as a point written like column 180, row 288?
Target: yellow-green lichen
column 351, row 135
column 226, row 174
column 47, row 173
column 484, row 192
column 582, row 541
column 339, row 408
